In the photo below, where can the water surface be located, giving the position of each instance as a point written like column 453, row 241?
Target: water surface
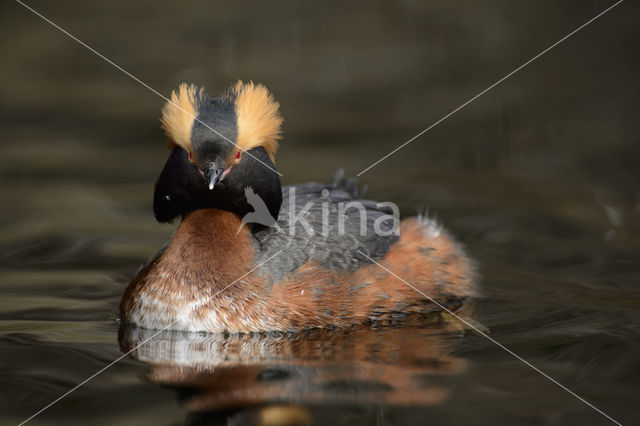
column 538, row 178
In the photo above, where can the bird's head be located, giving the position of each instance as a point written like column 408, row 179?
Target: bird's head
column 219, row 146
column 217, row 132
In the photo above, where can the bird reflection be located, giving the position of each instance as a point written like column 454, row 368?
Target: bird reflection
column 284, row 372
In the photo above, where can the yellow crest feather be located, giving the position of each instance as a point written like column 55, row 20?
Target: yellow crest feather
column 179, row 115
column 258, row 117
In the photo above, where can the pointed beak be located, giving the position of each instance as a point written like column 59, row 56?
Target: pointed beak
column 212, row 174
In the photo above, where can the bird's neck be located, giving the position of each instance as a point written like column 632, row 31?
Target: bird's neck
column 211, row 243
column 209, row 253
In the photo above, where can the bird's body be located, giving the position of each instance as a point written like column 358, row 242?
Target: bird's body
column 331, row 259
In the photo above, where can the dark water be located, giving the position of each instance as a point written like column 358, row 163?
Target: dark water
column 539, row 178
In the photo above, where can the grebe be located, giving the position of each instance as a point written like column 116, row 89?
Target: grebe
column 311, row 268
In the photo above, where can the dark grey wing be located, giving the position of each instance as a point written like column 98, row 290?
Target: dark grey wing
column 329, row 224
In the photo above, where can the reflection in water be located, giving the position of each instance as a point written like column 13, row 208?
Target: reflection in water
column 216, row 372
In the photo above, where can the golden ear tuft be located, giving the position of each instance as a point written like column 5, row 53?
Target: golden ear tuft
column 258, row 117
column 179, row 115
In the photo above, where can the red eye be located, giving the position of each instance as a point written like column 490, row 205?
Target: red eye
column 238, row 154
column 190, row 156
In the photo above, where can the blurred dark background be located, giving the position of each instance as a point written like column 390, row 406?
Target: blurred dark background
column 539, row 177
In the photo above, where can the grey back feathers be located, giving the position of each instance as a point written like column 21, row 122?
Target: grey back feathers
column 321, row 238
